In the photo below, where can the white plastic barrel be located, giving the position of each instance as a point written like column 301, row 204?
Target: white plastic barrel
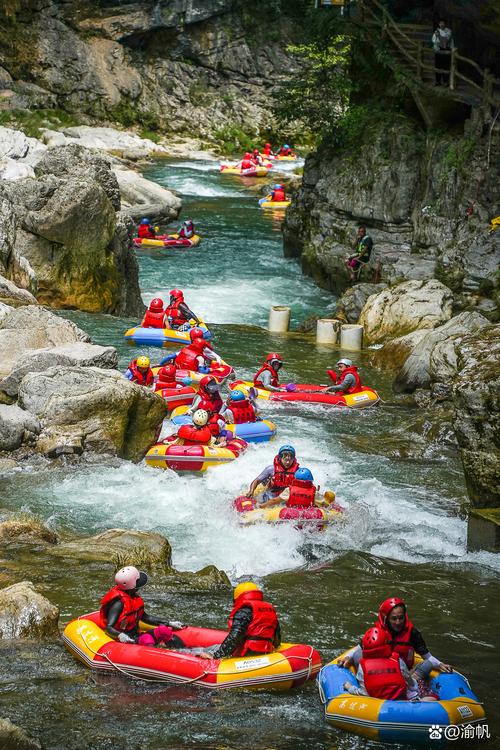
column 279, row 319
column 327, row 331
column 351, row 337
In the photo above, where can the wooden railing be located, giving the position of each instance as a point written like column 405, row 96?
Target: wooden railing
column 412, row 51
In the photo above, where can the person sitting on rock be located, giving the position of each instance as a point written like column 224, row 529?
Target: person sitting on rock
column 278, row 475
column 187, row 230
column 239, row 409
column 196, row 355
column 146, row 230
column 155, row 315
column 362, row 247
column 139, row 371
column 178, row 314
column 348, row 380
column 122, row 609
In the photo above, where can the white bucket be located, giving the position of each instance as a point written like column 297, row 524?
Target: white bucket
column 351, row 337
column 327, row 331
column 279, row 319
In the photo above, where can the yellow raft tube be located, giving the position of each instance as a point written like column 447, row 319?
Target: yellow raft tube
column 268, row 202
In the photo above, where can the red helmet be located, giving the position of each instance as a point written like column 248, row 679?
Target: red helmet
column 256, row 150
column 268, row 145
column 248, row 155
column 275, row 357
column 156, row 304
column 376, row 644
column 167, row 372
column 176, row 294
column 386, row 608
column 196, row 333
column 206, row 385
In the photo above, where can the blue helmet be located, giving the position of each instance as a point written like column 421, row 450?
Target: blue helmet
column 304, row 474
column 145, row 221
column 277, row 187
column 285, row 145
column 286, row 449
column 237, row 396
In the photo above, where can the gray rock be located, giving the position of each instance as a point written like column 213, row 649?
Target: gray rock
column 13, row 737
column 395, row 352
column 13, row 144
column 110, row 139
column 141, row 197
column 354, row 299
column 24, row 613
column 26, row 528
column 120, row 547
column 4, row 311
column 10, row 294
column 16, row 426
column 78, row 354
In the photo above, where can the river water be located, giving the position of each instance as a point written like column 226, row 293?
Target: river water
column 403, row 535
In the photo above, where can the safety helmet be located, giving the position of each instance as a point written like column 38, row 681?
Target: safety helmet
column 196, row 333
column 129, row 578
column 304, row 474
column 247, row 155
column 188, row 222
column 273, row 357
column 287, row 449
column 345, row 361
column 143, row 362
column 387, row 606
column 167, row 372
column 145, row 221
column 237, row 396
column 268, row 145
column 286, row 145
column 156, row 304
column 244, row 588
column 209, row 384
column 256, row 150
column 376, row 644
column 176, row 294
column 277, row 187
column 200, row 417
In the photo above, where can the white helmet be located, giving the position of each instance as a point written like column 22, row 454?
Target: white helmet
column 130, row 578
column 200, row 417
column 345, row 361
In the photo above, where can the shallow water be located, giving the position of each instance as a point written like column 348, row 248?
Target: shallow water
column 403, row 533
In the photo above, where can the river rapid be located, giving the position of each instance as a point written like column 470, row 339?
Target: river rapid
column 404, row 533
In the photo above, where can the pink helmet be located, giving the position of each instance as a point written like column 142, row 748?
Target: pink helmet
column 130, row 578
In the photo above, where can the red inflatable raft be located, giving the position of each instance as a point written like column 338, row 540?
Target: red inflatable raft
column 308, row 393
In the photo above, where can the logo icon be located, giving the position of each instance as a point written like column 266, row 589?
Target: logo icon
column 435, row 732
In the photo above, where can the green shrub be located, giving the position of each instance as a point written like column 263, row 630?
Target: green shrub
column 232, row 139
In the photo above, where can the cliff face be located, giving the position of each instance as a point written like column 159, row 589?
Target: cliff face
column 414, row 191
column 162, row 64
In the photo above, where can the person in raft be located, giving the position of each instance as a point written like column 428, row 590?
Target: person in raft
column 247, row 162
column 299, row 495
column 348, row 380
column 253, row 625
column 154, row 317
column 139, row 371
column 122, row 608
column 278, row 194
column 267, row 151
column 383, row 674
column 257, row 158
column 196, row 355
column 146, row 230
column 286, row 150
column 201, row 432
column 166, row 379
column 267, row 377
column 403, row 636
column 278, row 475
column 178, row 314
column 187, row 230
column 239, row 409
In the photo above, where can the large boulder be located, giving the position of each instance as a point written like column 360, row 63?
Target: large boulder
column 100, row 409
column 354, row 299
column 10, row 294
column 24, row 613
column 404, row 308
column 434, row 358
column 112, row 140
column 16, row 427
column 141, row 197
column 77, row 354
column 13, row 737
column 476, row 397
column 26, row 528
column 394, row 353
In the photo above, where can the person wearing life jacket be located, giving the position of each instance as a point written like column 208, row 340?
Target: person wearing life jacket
column 278, row 193
column 146, row 230
column 267, row 152
column 253, row 625
column 187, row 230
column 278, row 475
column 177, row 314
column 122, row 608
column 155, row 315
column 267, row 376
column 166, row 378
column 247, row 162
column 348, row 380
column 362, row 252
column 208, row 396
column 196, row 354
column 198, row 433
column 239, row 409
column 256, row 157
column 140, row 372
column 404, row 637
column 285, row 150
column 300, row 492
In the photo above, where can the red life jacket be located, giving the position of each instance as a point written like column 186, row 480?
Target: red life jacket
column 283, row 477
column 153, row 319
column 383, row 678
column 174, row 315
column 144, row 232
column 133, row 610
column 187, row 359
column 160, row 385
column 192, row 435
column 352, row 371
column 262, row 628
column 212, row 404
column 247, row 164
column 400, row 642
column 267, row 151
column 274, row 379
column 279, row 195
column 243, row 411
column 302, row 493
column 186, row 234
column 138, row 376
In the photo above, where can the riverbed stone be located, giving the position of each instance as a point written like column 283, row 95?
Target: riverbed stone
column 111, row 139
column 406, row 307
column 26, row 528
column 16, row 426
column 108, row 412
column 12, row 295
column 354, row 299
column 394, row 353
column 25, row 613
column 120, row 547
column 142, row 197
column 13, row 737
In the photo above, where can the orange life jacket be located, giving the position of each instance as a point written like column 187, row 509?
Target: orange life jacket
column 243, row 411
column 274, row 376
column 133, row 610
column 262, row 628
column 153, row 319
column 302, row 493
column 139, row 377
column 174, row 315
column 383, row 678
column 283, row 477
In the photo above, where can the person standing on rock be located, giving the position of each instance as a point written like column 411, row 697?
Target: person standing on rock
column 442, row 44
column 363, row 247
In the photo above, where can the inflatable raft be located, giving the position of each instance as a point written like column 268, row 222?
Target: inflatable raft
column 168, row 455
column 171, row 240
column 366, row 397
column 220, row 372
column 163, row 336
column 268, row 202
column 260, row 431
column 176, row 397
column 397, row 721
column 288, row 667
column 254, row 172
column 249, row 514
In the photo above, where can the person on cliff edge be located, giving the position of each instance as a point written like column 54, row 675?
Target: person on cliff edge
column 362, row 251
